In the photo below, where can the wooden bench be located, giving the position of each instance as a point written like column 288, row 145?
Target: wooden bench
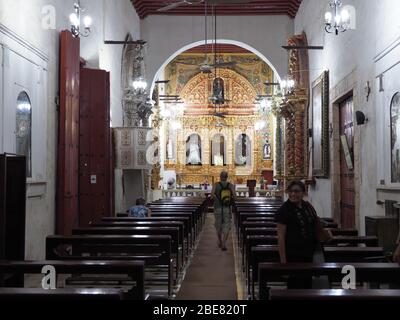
column 183, row 232
column 132, row 270
column 128, row 220
column 155, row 251
column 173, row 232
column 59, row 295
column 260, row 254
column 334, row 295
column 365, row 272
column 257, row 240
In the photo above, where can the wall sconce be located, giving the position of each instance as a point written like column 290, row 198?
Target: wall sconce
column 361, row 118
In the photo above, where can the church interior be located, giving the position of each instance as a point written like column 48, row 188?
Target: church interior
column 126, row 124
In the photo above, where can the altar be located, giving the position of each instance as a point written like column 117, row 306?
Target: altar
column 202, row 137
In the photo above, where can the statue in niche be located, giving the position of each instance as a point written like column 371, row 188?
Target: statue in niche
column 243, row 150
column 170, row 154
column 267, row 151
column 193, row 150
column 218, row 91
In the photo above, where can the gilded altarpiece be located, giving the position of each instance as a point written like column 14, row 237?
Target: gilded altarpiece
column 294, row 110
column 239, row 118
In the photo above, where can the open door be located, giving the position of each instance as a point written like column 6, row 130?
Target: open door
column 95, row 148
column 68, row 135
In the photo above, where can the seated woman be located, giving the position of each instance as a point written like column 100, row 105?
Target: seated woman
column 140, row 210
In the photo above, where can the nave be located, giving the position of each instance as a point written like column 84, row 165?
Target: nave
column 173, row 255
column 118, row 119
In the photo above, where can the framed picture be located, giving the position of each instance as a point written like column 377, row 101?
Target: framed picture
column 320, row 126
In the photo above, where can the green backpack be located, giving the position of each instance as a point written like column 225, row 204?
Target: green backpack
column 225, row 194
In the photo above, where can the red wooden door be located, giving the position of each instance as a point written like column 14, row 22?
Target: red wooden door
column 68, row 135
column 347, row 189
column 95, row 147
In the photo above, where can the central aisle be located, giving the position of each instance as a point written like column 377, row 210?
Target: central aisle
column 211, row 274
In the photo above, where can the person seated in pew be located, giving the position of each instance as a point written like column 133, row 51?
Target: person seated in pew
column 223, row 194
column 299, row 232
column 140, row 210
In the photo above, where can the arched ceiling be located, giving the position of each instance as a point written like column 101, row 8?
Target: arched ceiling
column 265, row 7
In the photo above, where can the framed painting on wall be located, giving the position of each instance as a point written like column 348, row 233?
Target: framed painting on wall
column 320, row 126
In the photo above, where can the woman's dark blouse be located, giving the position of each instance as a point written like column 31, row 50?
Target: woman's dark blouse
column 301, row 238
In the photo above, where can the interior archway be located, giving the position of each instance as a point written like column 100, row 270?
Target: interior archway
column 159, row 73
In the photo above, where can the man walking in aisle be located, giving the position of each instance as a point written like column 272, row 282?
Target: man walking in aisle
column 223, row 194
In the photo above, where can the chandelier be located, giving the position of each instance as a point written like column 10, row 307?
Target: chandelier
column 287, row 86
column 75, row 19
column 336, row 21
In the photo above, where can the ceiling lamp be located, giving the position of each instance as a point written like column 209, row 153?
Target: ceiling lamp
column 336, row 21
column 287, row 86
column 75, row 19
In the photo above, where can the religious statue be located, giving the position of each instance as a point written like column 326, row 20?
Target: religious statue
column 267, row 151
column 169, row 150
column 218, row 91
column 193, row 151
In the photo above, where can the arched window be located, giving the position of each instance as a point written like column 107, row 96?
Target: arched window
column 218, row 150
column 395, row 137
column 243, row 150
column 193, row 150
column 23, row 131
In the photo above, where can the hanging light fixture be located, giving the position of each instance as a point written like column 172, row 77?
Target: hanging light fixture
column 337, row 21
column 140, row 84
column 75, row 20
column 287, row 86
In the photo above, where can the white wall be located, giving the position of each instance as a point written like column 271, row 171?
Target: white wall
column 354, row 51
column 167, row 34
column 113, row 20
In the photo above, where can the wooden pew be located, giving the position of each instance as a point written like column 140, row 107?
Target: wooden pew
column 253, row 241
column 134, row 270
column 173, row 232
column 179, row 224
column 196, row 214
column 334, row 295
column 155, row 251
column 260, row 254
column 185, row 220
column 366, row 272
column 59, row 295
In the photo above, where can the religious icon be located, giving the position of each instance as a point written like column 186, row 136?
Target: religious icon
column 193, row 151
column 218, row 91
column 169, row 150
column 267, row 151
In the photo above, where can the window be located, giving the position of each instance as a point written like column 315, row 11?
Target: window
column 23, row 131
column 243, row 150
column 395, row 137
column 218, row 150
column 193, row 150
